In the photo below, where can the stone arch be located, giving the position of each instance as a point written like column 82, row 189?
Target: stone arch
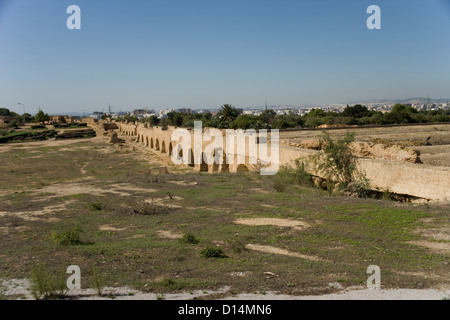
column 157, row 144
column 242, row 168
column 163, row 147
column 171, row 148
column 191, row 163
column 151, row 143
column 214, row 167
column 203, row 165
column 147, row 144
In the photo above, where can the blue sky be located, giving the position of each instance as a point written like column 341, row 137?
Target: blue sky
column 202, row 54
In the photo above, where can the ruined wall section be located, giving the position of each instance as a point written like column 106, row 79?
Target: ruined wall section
column 416, row 180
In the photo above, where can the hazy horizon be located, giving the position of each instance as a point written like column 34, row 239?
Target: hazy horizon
column 202, row 54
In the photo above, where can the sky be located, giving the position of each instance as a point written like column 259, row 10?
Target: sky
column 205, row 53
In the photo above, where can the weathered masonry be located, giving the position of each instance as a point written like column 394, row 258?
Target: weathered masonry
column 417, row 180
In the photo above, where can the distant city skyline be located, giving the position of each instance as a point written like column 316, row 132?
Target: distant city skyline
column 201, row 54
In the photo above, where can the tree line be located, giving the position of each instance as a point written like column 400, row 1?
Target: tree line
column 18, row 119
column 229, row 117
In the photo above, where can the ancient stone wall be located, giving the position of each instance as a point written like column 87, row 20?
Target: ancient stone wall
column 416, row 180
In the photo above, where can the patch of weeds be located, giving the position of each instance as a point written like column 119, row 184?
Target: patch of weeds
column 97, row 281
column 160, row 296
column 360, row 187
column 237, row 246
column 301, row 176
column 96, row 206
column 387, row 195
column 155, row 179
column 213, row 252
column 150, row 208
column 279, row 186
column 2, row 291
column 189, row 238
column 69, row 237
column 45, row 284
column 170, row 195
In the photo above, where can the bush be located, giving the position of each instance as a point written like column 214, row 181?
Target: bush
column 301, row 176
column 336, row 161
column 213, row 252
column 45, row 284
column 28, row 136
column 97, row 281
column 288, row 175
column 14, row 124
column 279, row 186
column 189, row 238
column 38, row 126
column 76, row 134
column 150, row 208
column 68, row 237
column 96, row 206
column 338, row 165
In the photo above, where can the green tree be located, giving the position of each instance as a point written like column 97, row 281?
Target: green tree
column 41, row 117
column 228, row 114
column 336, row 161
column 246, row 121
column 401, row 108
column 268, row 116
column 5, row 112
column 27, row 118
column 357, row 111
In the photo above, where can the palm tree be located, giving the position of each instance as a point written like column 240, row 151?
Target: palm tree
column 228, row 113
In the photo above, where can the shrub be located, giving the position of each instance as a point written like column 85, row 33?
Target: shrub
column 45, row 284
column 150, row 208
column 279, row 186
column 189, row 238
column 38, row 126
column 77, row 134
column 97, row 281
column 336, row 161
column 237, row 246
column 96, row 206
column 301, row 176
column 338, row 165
column 68, row 237
column 213, row 252
column 387, row 195
column 14, row 124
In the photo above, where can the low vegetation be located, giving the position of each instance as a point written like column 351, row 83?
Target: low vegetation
column 46, row 284
column 69, row 237
column 125, row 243
column 213, row 252
column 27, row 136
column 76, row 134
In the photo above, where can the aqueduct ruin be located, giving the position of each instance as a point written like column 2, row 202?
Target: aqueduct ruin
column 416, row 180
column 222, row 154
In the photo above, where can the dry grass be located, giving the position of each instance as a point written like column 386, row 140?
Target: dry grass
column 343, row 235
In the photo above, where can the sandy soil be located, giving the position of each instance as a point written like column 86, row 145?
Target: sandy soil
column 20, row 288
column 274, row 250
column 295, row 224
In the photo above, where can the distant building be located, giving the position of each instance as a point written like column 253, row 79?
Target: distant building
column 184, row 111
column 97, row 115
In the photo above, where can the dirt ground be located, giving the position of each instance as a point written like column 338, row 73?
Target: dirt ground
column 437, row 153
column 149, row 230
